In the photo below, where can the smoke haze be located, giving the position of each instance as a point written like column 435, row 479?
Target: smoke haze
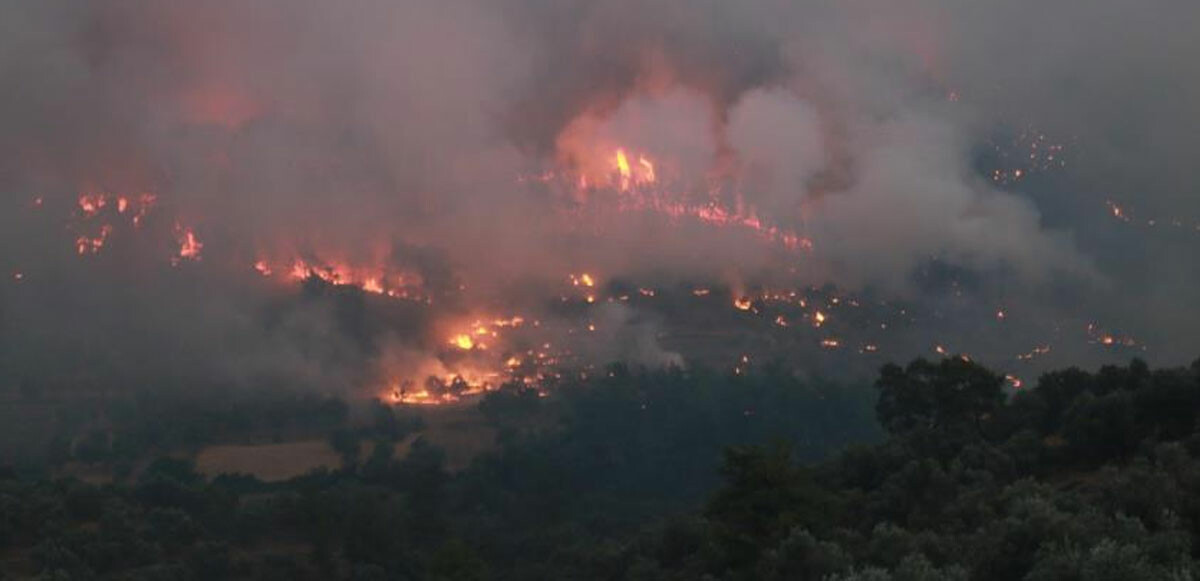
column 404, row 134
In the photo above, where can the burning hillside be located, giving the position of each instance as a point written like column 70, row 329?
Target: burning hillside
column 218, row 194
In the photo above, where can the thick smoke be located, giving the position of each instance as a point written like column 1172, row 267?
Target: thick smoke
column 398, row 132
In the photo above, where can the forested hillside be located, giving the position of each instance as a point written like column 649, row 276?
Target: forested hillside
column 688, row 475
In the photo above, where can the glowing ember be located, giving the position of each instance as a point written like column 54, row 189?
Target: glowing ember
column 1117, row 211
column 93, row 244
column 1037, row 351
column 743, row 303
column 463, row 341
column 91, row 204
column 372, row 285
column 189, row 245
column 648, row 167
column 145, row 202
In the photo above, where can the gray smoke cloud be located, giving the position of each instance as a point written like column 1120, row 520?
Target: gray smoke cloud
column 399, row 131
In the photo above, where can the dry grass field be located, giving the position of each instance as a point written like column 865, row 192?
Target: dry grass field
column 460, row 431
column 268, row 462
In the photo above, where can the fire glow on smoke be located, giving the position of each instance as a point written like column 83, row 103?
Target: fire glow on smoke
column 572, row 183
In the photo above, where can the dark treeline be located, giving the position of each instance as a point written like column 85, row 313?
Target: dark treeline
column 1085, row 477
column 119, row 431
column 686, row 475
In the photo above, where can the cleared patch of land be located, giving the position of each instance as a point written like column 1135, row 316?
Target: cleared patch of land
column 268, row 462
column 460, row 431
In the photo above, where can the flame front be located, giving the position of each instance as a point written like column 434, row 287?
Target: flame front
column 189, row 245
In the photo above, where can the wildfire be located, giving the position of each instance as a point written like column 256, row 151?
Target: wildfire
column 376, row 281
column 372, row 285
column 92, row 244
column 1035, row 352
column 91, row 204
column 463, row 341
column 1107, row 339
column 648, row 168
column 584, row 280
column 642, row 188
column 145, row 202
column 515, row 321
column 630, row 175
column 1025, row 154
column 189, row 245
column 1117, row 211
column 623, row 168
column 477, row 357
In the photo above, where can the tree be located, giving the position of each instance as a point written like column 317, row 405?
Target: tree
column 955, row 398
column 766, row 495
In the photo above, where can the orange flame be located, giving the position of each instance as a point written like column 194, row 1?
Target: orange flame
column 189, row 245
column 623, row 168
column 463, row 341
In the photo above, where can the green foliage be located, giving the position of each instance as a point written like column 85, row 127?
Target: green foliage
column 766, row 495
column 1083, row 477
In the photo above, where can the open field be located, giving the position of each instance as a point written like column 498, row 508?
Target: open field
column 460, row 431
column 268, row 462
